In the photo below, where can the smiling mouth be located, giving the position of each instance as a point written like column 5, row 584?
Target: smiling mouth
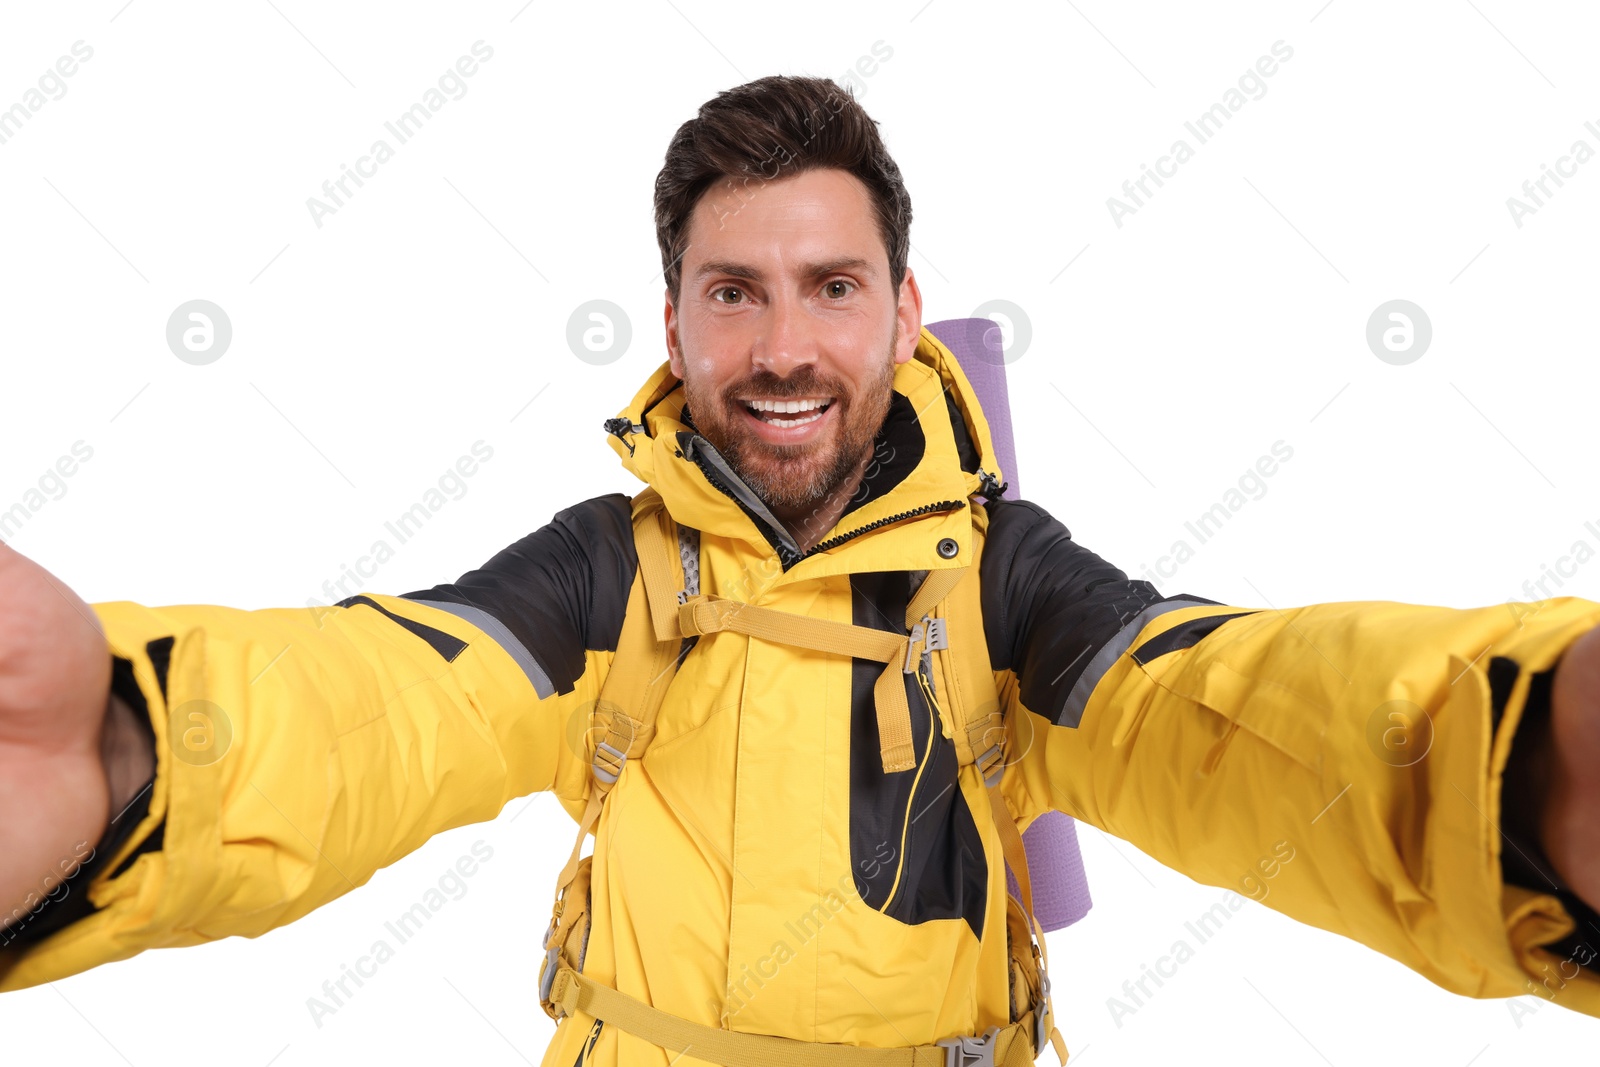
column 787, row 413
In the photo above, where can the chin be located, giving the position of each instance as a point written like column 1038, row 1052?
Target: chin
column 778, row 480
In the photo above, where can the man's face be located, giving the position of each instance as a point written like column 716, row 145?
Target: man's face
column 786, row 300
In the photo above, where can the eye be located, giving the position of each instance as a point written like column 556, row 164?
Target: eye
column 848, row 287
column 727, row 289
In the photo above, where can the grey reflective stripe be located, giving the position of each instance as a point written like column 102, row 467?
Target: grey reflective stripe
column 504, row 638
column 1072, row 710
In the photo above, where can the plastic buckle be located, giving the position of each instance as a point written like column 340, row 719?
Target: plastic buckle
column 1041, row 1032
column 914, row 640
column 547, row 978
column 970, row 1051
column 926, row 638
column 990, row 765
column 609, row 777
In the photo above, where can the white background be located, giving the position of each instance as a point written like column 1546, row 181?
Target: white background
column 368, row 354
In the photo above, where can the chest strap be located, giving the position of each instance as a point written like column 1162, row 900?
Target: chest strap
column 674, row 617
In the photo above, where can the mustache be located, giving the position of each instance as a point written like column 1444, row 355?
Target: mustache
column 803, row 383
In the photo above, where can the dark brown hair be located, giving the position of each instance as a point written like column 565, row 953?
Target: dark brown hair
column 774, row 128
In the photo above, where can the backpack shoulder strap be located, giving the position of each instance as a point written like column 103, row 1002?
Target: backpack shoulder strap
column 981, row 739
column 624, row 716
column 649, row 647
column 623, row 721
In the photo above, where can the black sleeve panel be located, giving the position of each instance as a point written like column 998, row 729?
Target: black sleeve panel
column 1051, row 608
column 560, row 590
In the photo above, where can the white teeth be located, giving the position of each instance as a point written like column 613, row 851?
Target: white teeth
column 795, row 422
column 788, row 407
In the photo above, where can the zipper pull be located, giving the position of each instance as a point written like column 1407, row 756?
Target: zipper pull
column 620, row 428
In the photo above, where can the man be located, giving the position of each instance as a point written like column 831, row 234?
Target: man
column 785, row 860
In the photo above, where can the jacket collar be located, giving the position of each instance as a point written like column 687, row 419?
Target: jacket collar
column 916, row 492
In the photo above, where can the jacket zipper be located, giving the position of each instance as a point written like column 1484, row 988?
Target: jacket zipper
column 787, row 556
column 925, row 509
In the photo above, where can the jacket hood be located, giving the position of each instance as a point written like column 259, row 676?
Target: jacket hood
column 932, row 454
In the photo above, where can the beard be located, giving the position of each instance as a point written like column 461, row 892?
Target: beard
column 794, row 477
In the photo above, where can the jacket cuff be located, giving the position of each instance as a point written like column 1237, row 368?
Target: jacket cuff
column 1554, row 933
column 69, row 901
column 1523, row 862
column 105, row 910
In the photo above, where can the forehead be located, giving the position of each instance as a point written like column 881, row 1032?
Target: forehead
column 815, row 214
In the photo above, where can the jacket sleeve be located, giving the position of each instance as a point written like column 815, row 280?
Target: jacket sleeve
column 299, row 750
column 1365, row 741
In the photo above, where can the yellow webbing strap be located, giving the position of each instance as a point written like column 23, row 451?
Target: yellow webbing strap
column 1017, row 859
column 704, row 614
column 631, row 694
column 934, row 588
column 577, row 994
column 659, row 564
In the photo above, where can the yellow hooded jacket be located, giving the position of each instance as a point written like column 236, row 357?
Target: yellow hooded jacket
column 757, row 869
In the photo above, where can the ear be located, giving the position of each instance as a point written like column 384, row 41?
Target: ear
column 674, row 349
column 909, row 316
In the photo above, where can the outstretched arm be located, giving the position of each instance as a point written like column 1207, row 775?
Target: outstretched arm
column 1370, row 737
column 298, row 751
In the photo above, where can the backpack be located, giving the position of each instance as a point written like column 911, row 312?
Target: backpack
column 665, row 615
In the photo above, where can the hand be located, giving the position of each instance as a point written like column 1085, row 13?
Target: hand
column 55, row 675
column 1570, row 821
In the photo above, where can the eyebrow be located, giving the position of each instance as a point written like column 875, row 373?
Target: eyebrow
column 807, row 270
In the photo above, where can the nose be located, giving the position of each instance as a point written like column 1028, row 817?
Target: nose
column 786, row 341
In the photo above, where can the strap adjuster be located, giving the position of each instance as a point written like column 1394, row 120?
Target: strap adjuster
column 547, row 980
column 608, row 770
column 927, row 637
column 913, row 644
column 547, row 976
column 1041, row 1030
column 970, row 1051
column 990, row 765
